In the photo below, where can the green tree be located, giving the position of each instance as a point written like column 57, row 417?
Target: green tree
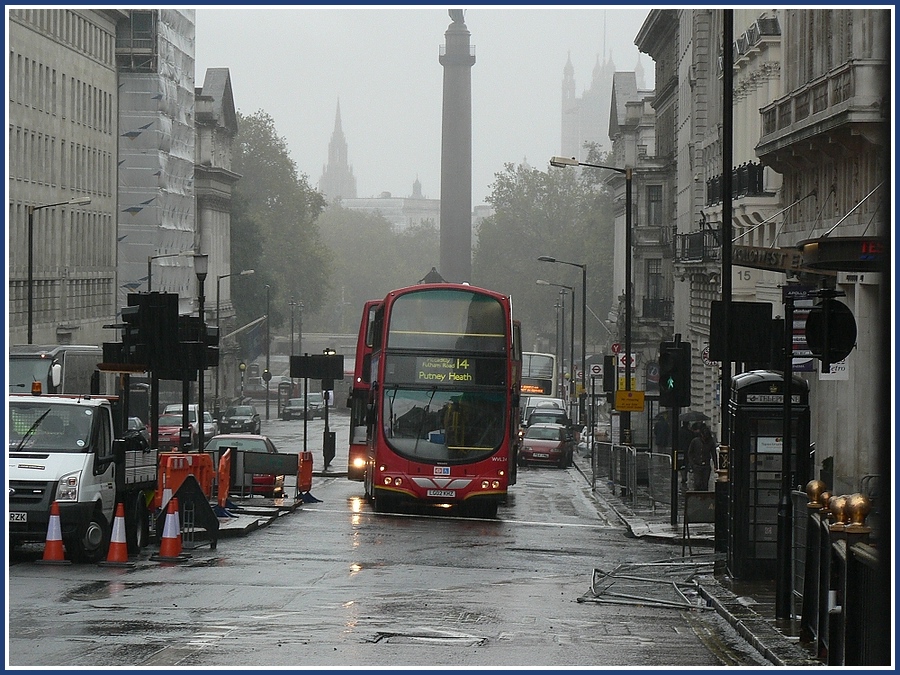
column 370, row 259
column 274, row 228
column 556, row 213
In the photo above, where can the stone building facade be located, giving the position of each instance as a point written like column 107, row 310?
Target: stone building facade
column 62, row 143
column 810, row 155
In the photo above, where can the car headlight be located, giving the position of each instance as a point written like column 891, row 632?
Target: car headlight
column 67, row 490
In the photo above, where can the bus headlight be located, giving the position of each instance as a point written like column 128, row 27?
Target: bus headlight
column 388, row 480
column 67, row 490
column 359, row 462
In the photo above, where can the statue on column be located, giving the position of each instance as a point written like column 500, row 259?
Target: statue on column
column 457, row 15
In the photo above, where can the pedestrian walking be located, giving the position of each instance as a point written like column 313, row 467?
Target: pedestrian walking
column 701, row 456
column 685, row 436
column 662, row 434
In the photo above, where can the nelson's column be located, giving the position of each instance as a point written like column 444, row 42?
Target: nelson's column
column 457, row 58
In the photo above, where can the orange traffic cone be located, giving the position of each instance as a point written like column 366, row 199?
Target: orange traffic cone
column 170, row 544
column 118, row 546
column 53, row 548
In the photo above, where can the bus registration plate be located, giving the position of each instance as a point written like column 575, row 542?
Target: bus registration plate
column 441, row 493
column 18, row 517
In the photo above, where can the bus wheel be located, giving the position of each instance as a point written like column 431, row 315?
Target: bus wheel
column 385, row 504
column 482, row 509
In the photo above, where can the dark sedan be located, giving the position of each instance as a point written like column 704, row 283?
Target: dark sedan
column 300, row 408
column 240, row 418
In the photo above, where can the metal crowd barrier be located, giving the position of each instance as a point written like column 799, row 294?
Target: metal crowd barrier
column 634, row 476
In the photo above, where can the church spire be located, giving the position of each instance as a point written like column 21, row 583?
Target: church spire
column 337, row 181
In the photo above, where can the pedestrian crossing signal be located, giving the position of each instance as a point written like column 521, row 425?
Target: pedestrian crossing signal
column 674, row 374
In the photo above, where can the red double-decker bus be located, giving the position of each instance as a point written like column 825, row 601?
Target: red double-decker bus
column 359, row 393
column 441, row 427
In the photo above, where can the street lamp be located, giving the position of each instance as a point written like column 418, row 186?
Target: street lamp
column 218, row 321
column 31, row 209
column 550, row 259
column 151, row 258
column 268, row 373
column 201, row 268
column 627, row 171
column 541, row 282
column 292, row 304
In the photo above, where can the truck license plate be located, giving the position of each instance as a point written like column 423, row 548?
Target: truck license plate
column 441, row 493
column 18, row 517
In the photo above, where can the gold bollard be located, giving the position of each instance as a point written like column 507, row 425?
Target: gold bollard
column 814, row 490
column 858, row 507
column 838, row 506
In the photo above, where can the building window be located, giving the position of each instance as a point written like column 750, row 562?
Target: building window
column 654, row 206
column 654, row 278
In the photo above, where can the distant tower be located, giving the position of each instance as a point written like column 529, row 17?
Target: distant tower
column 569, row 141
column 337, row 181
column 457, row 58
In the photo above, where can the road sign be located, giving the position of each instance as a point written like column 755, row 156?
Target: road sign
column 621, row 360
column 596, row 370
column 629, row 401
column 616, row 347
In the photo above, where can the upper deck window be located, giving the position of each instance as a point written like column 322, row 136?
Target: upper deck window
column 444, row 319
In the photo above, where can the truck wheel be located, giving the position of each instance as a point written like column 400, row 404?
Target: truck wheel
column 93, row 544
column 137, row 524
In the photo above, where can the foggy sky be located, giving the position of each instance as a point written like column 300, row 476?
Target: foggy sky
column 381, row 62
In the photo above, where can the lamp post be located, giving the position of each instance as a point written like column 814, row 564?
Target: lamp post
column 151, row 258
column 292, row 304
column 627, row 172
column 218, row 320
column 31, row 209
column 201, row 268
column 550, row 259
column 541, row 282
column 300, row 328
column 267, row 374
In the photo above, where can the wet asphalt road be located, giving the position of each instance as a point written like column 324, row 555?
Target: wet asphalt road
column 334, row 584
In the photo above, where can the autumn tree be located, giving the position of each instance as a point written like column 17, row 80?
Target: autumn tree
column 370, row 259
column 557, row 213
column 273, row 227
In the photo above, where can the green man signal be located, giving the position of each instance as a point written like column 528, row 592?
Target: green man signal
column 674, row 374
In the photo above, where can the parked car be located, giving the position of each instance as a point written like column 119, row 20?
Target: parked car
column 136, row 426
column 313, row 406
column 240, row 418
column 168, row 429
column 545, row 443
column 267, row 485
column 210, row 426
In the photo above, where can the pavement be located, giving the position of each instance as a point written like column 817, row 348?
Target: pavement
column 748, row 606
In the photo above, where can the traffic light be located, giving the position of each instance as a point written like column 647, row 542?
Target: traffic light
column 212, row 346
column 674, row 374
column 134, row 334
